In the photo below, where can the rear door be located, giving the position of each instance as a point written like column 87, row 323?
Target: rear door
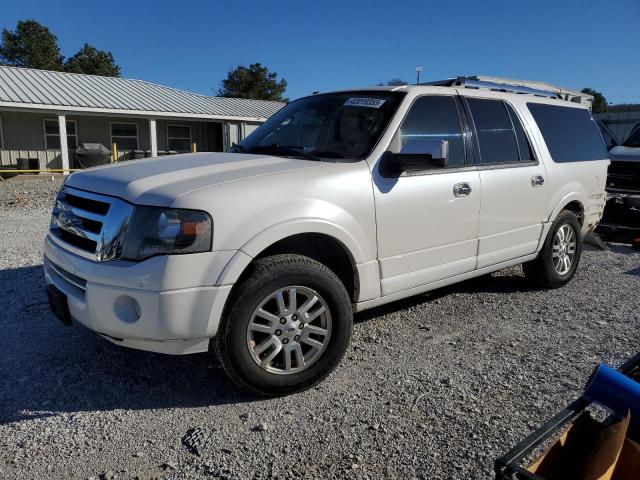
column 513, row 182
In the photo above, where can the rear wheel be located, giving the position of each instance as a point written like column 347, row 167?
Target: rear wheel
column 559, row 256
column 287, row 327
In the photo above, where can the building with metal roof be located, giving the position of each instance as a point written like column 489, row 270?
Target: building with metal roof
column 46, row 115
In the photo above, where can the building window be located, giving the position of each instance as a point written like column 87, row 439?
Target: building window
column 52, row 134
column 125, row 135
column 179, row 138
column 1, row 135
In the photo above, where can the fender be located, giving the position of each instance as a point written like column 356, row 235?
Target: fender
column 253, row 247
column 568, row 198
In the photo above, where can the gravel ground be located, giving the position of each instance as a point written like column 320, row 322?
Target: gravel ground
column 436, row 386
column 29, row 191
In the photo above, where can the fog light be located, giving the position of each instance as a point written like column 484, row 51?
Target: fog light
column 127, row 309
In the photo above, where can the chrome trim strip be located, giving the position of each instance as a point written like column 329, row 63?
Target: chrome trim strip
column 70, row 226
column 70, row 248
column 78, row 212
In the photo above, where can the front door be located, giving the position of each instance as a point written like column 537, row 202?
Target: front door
column 427, row 230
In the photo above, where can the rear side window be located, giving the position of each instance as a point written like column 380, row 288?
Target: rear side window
column 495, row 129
column 435, row 118
column 571, row 134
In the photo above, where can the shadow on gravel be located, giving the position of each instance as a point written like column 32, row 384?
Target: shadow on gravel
column 506, row 284
column 621, row 248
column 47, row 368
column 635, row 272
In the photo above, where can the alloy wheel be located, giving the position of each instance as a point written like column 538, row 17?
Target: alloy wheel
column 289, row 330
column 564, row 249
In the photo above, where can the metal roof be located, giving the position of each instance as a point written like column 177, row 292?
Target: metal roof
column 29, row 88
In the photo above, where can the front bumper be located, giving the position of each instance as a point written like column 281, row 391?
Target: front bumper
column 621, row 218
column 163, row 304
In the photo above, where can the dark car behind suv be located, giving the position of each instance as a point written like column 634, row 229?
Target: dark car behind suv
column 621, row 218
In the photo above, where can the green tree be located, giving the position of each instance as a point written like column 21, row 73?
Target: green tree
column 31, row 45
column 91, row 61
column 254, row 81
column 599, row 101
column 394, row 82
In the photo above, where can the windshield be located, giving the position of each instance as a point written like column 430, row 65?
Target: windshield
column 634, row 139
column 328, row 126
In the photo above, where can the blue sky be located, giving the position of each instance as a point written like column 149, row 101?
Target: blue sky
column 325, row 45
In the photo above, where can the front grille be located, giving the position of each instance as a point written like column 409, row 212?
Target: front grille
column 101, row 208
column 89, row 224
column 77, row 240
column 624, row 176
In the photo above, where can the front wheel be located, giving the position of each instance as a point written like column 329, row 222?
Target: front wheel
column 557, row 262
column 287, row 326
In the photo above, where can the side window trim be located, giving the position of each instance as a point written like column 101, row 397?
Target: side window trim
column 511, row 109
column 477, row 160
column 472, row 147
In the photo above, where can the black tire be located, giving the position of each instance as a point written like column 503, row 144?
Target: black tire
column 541, row 271
column 267, row 275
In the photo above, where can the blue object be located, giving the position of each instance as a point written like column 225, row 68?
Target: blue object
column 617, row 392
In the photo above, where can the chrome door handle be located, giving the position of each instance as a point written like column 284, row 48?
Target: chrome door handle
column 462, row 189
column 537, row 181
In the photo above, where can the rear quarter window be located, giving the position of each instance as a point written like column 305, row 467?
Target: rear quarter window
column 571, row 134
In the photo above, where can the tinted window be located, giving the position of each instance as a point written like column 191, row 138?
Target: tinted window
column 435, row 118
column 571, row 134
column 496, row 136
column 524, row 147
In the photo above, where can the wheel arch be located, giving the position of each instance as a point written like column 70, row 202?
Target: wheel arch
column 572, row 202
column 321, row 241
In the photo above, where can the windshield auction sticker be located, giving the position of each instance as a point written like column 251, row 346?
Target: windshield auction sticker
column 364, row 102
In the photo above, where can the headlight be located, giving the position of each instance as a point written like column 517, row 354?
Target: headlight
column 166, row 231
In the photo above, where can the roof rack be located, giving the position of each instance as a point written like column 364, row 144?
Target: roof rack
column 527, row 87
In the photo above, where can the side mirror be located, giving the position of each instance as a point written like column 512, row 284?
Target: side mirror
column 421, row 154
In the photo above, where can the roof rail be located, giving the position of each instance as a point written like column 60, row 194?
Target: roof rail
column 527, row 87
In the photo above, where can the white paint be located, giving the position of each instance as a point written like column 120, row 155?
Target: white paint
column 62, row 126
column 153, row 137
column 413, row 228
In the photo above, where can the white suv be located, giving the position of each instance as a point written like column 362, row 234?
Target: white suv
column 340, row 202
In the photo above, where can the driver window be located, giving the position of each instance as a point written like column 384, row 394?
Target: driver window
column 434, row 117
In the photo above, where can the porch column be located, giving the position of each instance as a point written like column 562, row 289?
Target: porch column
column 153, row 137
column 62, row 127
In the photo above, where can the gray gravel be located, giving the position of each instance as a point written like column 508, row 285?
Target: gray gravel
column 436, row 386
column 29, row 191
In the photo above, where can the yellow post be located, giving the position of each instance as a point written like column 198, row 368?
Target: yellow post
column 115, row 153
column 194, row 147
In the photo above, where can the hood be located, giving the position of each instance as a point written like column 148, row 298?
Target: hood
column 624, row 154
column 161, row 180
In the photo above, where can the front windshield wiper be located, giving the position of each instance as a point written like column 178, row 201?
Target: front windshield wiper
column 275, row 149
